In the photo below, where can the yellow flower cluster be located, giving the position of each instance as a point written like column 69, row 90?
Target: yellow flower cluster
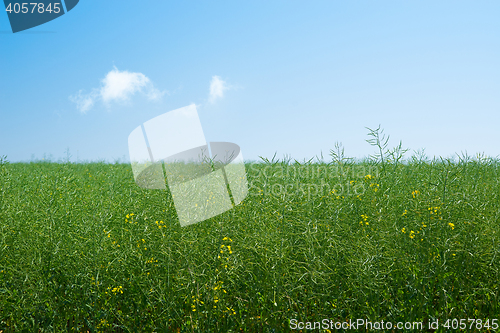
column 160, row 224
column 433, row 210
column 152, row 260
column 116, row 290
column 229, row 251
column 228, row 247
column 129, row 216
column 365, row 218
column 334, row 191
column 143, row 243
column 103, row 323
column 196, row 301
column 218, row 286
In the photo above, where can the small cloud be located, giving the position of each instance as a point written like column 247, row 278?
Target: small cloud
column 118, row 86
column 154, row 94
column 217, row 88
column 84, row 102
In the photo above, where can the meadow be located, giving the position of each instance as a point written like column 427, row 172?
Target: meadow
column 82, row 248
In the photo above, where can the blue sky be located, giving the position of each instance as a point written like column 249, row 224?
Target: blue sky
column 291, row 77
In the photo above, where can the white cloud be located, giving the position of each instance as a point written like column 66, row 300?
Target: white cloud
column 217, row 88
column 154, row 94
column 84, row 102
column 118, row 86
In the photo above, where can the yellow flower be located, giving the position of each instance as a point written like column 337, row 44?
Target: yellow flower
column 433, row 210
column 412, row 234
column 415, row 193
column 451, row 225
column 403, row 230
column 367, row 177
column 116, row 290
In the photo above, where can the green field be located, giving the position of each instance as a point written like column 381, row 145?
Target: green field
column 82, row 248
